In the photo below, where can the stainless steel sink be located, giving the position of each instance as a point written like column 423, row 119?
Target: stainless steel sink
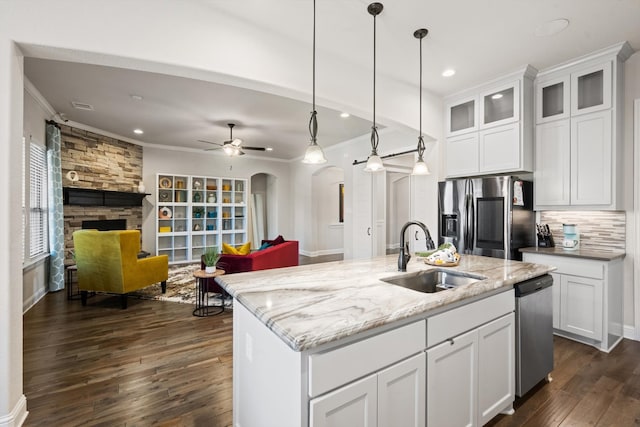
column 430, row 281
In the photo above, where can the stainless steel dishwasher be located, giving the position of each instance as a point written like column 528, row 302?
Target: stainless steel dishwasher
column 534, row 332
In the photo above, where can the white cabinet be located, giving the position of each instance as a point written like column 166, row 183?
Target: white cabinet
column 393, row 397
column 489, row 128
column 471, row 375
column 352, row 405
column 587, row 298
column 452, row 370
column 197, row 212
column 578, row 142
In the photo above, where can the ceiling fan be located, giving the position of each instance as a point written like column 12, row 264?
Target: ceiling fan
column 232, row 147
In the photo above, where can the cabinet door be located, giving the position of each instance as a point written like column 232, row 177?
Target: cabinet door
column 581, row 306
column 591, row 89
column 452, row 372
column 499, row 149
column 553, row 162
column 500, row 105
column 591, row 162
column 555, row 294
column 462, row 116
column 462, row 155
column 352, row 405
column 553, row 99
column 496, row 367
column 401, row 394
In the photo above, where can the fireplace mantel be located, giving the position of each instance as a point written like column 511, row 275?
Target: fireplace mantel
column 91, row 197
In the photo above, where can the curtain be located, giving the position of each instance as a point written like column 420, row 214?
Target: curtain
column 56, row 216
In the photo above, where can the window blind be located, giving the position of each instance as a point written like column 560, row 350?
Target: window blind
column 38, row 212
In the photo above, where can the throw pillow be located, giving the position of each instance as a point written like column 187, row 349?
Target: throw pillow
column 265, row 245
column 228, row 249
column 244, row 249
column 278, row 240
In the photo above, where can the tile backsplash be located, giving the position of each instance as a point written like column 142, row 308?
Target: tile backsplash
column 599, row 230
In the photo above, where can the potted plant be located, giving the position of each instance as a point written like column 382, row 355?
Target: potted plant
column 197, row 212
column 210, row 258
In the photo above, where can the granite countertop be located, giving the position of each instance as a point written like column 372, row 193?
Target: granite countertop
column 310, row 305
column 599, row 255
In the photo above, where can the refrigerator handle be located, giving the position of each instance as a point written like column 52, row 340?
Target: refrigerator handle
column 472, row 220
column 466, row 215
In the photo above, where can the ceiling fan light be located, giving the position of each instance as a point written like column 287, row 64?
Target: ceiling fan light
column 314, row 155
column 420, row 168
column 230, row 150
column 374, row 164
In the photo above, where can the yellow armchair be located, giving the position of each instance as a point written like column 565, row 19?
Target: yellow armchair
column 108, row 261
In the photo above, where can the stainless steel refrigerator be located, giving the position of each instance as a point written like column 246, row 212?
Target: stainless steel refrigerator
column 490, row 216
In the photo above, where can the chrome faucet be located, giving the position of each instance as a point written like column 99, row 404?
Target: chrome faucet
column 405, row 255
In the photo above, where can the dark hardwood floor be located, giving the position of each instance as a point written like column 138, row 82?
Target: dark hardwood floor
column 156, row 364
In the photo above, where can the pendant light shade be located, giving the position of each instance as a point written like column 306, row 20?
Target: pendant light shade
column 314, row 153
column 374, row 163
column 420, row 167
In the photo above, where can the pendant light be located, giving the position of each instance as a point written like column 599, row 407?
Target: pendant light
column 314, row 153
column 374, row 162
column 420, row 167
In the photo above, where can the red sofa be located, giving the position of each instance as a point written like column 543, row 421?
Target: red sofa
column 281, row 255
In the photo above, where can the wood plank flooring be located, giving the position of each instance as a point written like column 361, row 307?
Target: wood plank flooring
column 156, row 364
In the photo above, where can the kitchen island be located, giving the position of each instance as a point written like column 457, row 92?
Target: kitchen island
column 325, row 342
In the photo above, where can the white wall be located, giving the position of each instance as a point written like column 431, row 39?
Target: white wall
column 398, row 207
column 157, row 160
column 328, row 237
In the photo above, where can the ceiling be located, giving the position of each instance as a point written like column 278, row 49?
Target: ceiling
column 480, row 39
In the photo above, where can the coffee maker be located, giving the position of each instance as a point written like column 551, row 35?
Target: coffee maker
column 571, row 239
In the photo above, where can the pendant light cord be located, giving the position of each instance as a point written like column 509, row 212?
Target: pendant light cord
column 420, row 34
column 313, row 121
column 375, row 139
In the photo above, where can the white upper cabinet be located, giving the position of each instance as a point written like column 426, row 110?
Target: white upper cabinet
column 578, row 149
column 489, row 128
column 500, row 105
column 462, row 116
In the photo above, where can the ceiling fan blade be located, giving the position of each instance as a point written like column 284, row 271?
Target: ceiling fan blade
column 208, row 142
column 254, row 148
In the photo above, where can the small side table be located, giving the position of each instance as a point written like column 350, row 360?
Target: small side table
column 70, row 270
column 202, row 296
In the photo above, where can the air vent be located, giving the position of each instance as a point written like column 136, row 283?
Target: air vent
column 82, row 106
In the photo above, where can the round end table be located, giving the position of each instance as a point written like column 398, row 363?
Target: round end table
column 203, row 308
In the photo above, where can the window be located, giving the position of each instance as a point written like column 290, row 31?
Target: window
column 35, row 211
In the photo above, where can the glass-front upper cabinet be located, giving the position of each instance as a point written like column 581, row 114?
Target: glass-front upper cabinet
column 462, row 116
column 552, row 99
column 591, row 89
column 500, row 105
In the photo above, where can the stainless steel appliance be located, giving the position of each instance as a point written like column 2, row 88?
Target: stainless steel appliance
column 487, row 216
column 534, row 332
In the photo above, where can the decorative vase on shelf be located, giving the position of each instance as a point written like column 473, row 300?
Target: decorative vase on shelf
column 196, row 197
column 141, row 187
column 212, row 198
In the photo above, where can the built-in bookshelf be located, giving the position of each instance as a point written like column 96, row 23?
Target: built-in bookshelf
column 197, row 212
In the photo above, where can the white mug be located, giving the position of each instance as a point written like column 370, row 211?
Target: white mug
column 570, row 243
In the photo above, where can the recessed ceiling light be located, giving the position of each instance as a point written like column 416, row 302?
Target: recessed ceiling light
column 496, row 96
column 269, row 149
column 138, row 131
column 448, row 72
column 137, row 97
column 344, row 115
column 552, row 27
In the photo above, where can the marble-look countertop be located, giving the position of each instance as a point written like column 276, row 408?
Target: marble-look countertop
column 599, row 255
column 310, row 305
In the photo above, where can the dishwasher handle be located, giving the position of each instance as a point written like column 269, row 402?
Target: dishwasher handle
column 533, row 285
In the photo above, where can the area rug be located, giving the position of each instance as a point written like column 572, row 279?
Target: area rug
column 181, row 287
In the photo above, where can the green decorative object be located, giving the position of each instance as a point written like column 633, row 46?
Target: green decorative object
column 197, row 197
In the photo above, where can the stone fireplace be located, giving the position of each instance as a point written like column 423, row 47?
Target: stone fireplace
column 101, row 163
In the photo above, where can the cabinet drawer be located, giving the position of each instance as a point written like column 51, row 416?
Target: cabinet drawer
column 454, row 322
column 573, row 266
column 336, row 367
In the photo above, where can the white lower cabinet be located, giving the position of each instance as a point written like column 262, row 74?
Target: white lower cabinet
column 452, row 370
column 471, row 367
column 587, row 299
column 393, row 397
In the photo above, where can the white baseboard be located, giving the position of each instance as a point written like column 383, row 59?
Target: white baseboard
column 629, row 332
column 17, row 416
column 322, row 252
column 30, row 302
